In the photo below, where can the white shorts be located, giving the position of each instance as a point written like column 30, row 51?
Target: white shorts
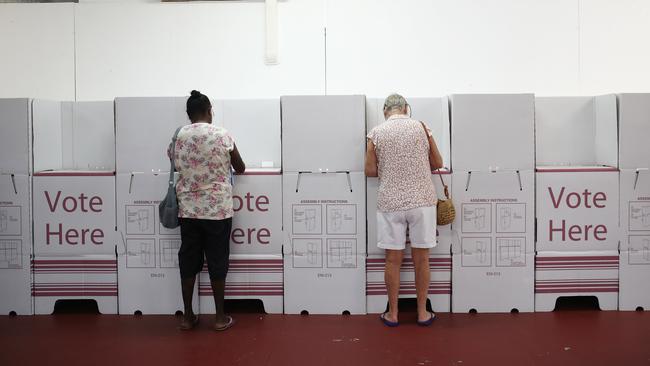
column 420, row 222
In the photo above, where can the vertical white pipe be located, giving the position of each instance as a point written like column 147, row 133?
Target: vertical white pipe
column 271, row 52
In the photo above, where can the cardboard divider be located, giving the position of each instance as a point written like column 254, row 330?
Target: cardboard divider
column 142, row 183
column 576, row 132
column 147, row 252
column 325, row 242
column 493, row 241
column 635, row 239
column 323, row 133
column 439, row 286
column 560, row 274
column 492, row 132
column 15, row 206
column 74, row 204
column 634, row 129
column 634, row 160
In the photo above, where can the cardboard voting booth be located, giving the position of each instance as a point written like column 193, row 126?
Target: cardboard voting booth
column 256, row 263
column 15, row 206
column 634, row 161
column 324, row 209
column 147, row 252
column 493, row 191
column 435, row 113
column 74, row 204
column 577, row 198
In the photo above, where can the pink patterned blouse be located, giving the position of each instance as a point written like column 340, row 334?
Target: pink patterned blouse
column 202, row 159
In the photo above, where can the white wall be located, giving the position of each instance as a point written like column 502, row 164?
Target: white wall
column 416, row 47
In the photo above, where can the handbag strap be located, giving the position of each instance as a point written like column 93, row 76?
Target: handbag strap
column 172, row 157
column 426, row 134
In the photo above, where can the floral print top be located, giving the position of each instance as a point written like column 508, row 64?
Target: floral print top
column 202, row 158
column 402, row 149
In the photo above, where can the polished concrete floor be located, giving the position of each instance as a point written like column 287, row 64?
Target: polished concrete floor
column 568, row 337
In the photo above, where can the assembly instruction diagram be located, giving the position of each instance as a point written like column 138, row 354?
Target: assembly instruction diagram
column 144, row 249
column 511, row 252
column 11, row 253
column 639, row 216
column 341, row 253
column 307, row 219
column 169, row 252
column 141, row 253
column 10, row 221
column 639, row 249
column 511, row 217
column 307, row 252
column 476, row 252
column 324, row 234
column 476, row 218
column 342, row 219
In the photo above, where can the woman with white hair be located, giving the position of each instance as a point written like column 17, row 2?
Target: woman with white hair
column 402, row 153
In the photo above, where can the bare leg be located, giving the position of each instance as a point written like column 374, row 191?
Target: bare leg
column 187, row 289
column 218, row 291
column 391, row 277
column 422, row 278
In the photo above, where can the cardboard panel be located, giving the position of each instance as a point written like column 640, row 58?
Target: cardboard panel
column 143, row 130
column 48, row 135
column 635, row 239
column 255, row 126
column 577, row 210
column 15, row 122
column 444, row 233
column 149, row 279
column 15, row 244
column 75, row 277
column 323, row 133
column 573, row 131
column 325, row 242
column 634, row 129
column 249, row 277
column 74, row 214
column 560, row 274
column 492, row 131
column 432, row 111
column 439, row 286
column 493, row 248
column 93, row 135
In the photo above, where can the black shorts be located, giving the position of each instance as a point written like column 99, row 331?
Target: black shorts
column 204, row 238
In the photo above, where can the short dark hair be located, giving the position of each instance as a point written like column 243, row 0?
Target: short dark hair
column 197, row 105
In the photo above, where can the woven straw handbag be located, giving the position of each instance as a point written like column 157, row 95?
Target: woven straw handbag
column 446, row 210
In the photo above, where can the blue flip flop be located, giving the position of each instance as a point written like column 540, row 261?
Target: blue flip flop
column 427, row 322
column 387, row 322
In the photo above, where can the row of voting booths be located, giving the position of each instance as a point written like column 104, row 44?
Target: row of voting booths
column 552, row 199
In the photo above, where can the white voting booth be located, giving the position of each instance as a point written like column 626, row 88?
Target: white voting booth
column 15, row 206
column 492, row 139
column 324, row 192
column 147, row 253
column 435, row 113
column 256, row 263
column 74, row 204
column 634, row 163
column 577, row 200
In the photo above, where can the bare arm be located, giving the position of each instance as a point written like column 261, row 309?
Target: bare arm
column 236, row 160
column 435, row 160
column 371, row 160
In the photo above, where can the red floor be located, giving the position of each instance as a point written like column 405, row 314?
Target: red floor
column 560, row 338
